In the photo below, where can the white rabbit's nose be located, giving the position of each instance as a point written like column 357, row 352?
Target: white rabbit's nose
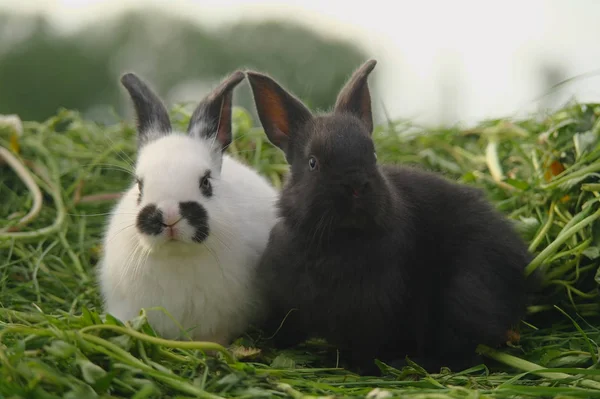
column 170, row 212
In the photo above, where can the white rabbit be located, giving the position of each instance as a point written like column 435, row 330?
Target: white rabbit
column 187, row 235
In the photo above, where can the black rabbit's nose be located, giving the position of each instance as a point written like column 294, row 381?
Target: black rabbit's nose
column 357, row 189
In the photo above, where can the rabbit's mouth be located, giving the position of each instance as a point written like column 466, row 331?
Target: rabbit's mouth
column 356, row 219
column 172, row 233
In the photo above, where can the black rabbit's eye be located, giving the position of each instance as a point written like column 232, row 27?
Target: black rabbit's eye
column 205, row 185
column 312, row 163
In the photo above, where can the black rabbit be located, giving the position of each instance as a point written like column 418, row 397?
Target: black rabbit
column 382, row 261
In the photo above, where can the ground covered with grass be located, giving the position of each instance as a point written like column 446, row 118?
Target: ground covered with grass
column 55, row 341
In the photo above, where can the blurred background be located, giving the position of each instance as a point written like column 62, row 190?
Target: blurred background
column 440, row 62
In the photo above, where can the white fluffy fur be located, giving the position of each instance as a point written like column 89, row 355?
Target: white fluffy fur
column 208, row 288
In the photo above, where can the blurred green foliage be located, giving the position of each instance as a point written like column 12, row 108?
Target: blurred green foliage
column 42, row 69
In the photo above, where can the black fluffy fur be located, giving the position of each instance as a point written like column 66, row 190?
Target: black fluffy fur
column 383, row 261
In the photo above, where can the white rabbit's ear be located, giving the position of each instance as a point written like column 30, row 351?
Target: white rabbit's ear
column 355, row 98
column 152, row 116
column 212, row 118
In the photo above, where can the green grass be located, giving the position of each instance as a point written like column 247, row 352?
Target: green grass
column 55, row 342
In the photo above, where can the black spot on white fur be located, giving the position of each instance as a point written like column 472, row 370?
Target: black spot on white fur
column 197, row 217
column 150, row 220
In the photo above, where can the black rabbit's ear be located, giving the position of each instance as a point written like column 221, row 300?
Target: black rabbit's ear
column 212, row 117
column 355, row 97
column 281, row 114
column 152, row 116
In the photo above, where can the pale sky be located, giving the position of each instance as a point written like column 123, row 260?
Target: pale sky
column 493, row 50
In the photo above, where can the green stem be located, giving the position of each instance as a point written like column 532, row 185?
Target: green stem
column 82, row 274
column 568, row 286
column 28, row 317
column 26, row 177
column 576, row 219
column 54, row 191
column 173, row 356
column 562, row 237
column 532, row 368
column 592, row 352
column 538, row 239
column 560, row 271
column 176, row 382
column 194, row 345
column 575, row 250
column 591, row 186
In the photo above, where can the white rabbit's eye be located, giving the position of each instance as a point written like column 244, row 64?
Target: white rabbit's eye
column 312, row 163
column 205, row 185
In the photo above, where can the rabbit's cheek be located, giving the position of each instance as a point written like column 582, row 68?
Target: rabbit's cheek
column 151, row 242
